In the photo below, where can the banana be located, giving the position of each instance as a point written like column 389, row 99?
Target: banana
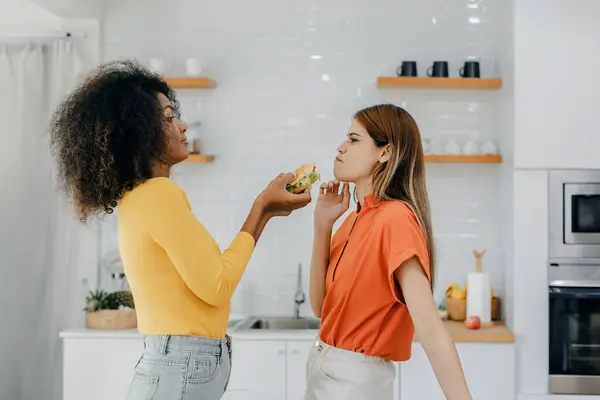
column 455, row 292
column 491, row 291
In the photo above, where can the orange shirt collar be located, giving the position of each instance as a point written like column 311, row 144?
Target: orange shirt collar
column 369, row 201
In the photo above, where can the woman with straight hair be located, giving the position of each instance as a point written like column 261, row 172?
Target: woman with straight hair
column 372, row 282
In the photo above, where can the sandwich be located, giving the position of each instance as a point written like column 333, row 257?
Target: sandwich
column 306, row 175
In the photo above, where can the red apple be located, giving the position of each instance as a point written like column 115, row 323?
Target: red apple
column 473, row 323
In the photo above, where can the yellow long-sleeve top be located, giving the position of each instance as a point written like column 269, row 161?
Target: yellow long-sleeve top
column 180, row 280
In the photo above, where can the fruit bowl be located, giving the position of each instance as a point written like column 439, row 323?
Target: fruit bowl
column 111, row 319
column 115, row 310
column 457, row 309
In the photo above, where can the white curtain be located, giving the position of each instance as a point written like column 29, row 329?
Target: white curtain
column 38, row 247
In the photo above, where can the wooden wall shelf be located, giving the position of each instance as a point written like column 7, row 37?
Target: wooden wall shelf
column 482, row 159
column 429, row 82
column 199, row 158
column 191, row 83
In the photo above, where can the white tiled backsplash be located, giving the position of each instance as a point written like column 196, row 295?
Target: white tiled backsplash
column 290, row 74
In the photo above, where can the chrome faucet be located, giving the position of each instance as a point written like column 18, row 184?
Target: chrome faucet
column 299, row 297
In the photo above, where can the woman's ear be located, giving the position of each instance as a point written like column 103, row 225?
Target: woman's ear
column 384, row 154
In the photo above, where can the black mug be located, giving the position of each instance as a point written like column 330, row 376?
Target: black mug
column 470, row 70
column 408, row 68
column 438, row 69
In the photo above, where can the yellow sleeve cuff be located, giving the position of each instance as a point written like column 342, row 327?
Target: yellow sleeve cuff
column 244, row 240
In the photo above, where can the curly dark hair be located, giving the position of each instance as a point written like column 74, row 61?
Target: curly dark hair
column 108, row 134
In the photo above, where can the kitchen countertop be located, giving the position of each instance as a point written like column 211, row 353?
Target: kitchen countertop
column 498, row 333
column 495, row 333
column 291, row 334
column 84, row 333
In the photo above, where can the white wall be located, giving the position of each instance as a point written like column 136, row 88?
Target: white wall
column 275, row 107
column 507, row 124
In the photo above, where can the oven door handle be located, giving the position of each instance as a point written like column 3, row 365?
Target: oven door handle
column 575, row 293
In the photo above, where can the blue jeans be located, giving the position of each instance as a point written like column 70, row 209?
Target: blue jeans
column 181, row 368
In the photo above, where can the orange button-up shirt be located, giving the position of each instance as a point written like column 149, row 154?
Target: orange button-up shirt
column 363, row 311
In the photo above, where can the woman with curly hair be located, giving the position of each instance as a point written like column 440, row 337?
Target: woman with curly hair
column 115, row 138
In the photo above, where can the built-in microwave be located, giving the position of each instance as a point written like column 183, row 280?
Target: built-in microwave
column 574, row 223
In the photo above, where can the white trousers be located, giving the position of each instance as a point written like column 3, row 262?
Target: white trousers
column 335, row 374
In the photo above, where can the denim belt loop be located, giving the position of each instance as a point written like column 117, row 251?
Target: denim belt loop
column 164, row 340
column 224, row 350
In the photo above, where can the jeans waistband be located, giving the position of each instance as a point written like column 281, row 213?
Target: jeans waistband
column 198, row 344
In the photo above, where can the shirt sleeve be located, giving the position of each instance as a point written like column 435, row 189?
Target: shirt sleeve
column 209, row 274
column 403, row 239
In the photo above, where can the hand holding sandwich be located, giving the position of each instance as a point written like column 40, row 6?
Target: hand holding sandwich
column 277, row 201
column 284, row 194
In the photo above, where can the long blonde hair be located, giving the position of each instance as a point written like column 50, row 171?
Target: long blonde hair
column 402, row 177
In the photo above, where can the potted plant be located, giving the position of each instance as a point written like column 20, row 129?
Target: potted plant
column 114, row 310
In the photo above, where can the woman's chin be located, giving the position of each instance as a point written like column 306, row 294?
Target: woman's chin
column 340, row 176
column 180, row 156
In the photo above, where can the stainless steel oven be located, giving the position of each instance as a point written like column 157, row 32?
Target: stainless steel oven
column 574, row 223
column 574, row 356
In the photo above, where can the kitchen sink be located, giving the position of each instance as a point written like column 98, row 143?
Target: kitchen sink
column 279, row 323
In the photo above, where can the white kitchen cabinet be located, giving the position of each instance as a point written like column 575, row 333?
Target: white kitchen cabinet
column 259, row 368
column 99, row 368
column 297, row 355
column 241, row 394
column 489, row 370
column 269, row 369
column 555, row 108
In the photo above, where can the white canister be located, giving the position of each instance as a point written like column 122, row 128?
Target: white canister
column 479, row 302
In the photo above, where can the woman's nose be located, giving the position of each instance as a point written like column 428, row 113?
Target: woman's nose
column 183, row 127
